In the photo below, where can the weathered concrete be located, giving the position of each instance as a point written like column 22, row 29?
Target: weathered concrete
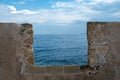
column 16, row 55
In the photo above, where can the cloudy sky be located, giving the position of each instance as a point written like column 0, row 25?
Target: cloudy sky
column 59, row 16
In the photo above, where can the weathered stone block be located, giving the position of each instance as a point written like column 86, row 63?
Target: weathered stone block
column 71, row 69
column 54, row 69
column 35, row 69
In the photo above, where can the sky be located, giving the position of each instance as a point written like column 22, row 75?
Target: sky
column 59, row 16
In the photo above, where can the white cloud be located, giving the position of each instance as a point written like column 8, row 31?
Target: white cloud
column 56, row 16
column 63, row 4
column 61, row 12
column 24, row 11
column 12, row 8
column 106, row 1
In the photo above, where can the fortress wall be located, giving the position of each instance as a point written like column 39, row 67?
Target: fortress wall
column 104, row 49
column 15, row 50
column 17, row 61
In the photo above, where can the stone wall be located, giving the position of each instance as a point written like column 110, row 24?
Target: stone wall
column 104, row 49
column 15, row 50
column 17, row 62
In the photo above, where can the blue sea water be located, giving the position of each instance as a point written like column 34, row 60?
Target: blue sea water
column 60, row 49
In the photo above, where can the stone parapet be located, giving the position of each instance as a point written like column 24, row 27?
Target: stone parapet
column 17, row 60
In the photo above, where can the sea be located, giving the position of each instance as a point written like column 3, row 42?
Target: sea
column 60, row 49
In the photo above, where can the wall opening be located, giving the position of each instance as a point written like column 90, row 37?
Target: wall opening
column 66, row 49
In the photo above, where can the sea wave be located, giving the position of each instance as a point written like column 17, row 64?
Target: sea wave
column 60, row 50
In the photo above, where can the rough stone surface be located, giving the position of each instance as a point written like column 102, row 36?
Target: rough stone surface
column 16, row 55
column 15, row 50
column 104, row 49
